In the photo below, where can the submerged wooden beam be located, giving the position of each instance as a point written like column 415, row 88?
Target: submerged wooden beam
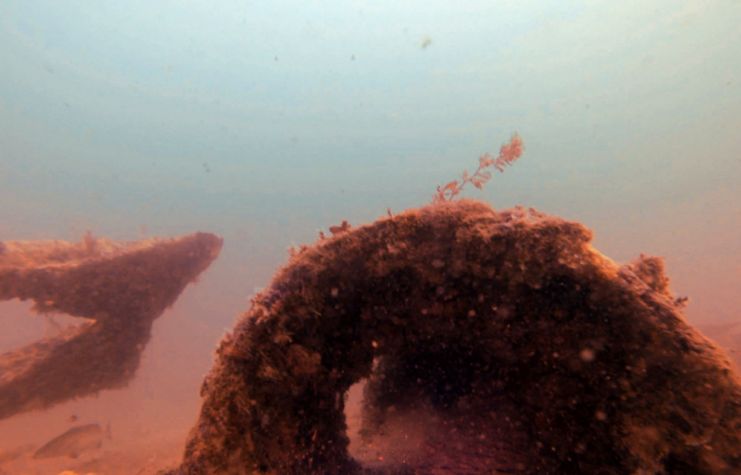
column 121, row 288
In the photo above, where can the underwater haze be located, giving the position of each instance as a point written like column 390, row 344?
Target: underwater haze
column 266, row 122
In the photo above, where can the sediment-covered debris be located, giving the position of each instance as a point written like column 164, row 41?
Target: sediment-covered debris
column 120, row 288
column 456, row 308
column 14, row 453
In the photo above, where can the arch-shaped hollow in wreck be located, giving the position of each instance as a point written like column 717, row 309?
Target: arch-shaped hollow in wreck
column 470, row 305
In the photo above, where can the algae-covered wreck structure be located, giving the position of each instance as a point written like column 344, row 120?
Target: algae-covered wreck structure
column 537, row 353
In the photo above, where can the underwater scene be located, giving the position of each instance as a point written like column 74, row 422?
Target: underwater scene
column 344, row 238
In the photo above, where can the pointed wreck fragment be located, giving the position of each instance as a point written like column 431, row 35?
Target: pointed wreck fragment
column 121, row 288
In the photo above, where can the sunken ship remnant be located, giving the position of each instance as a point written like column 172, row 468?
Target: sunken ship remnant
column 121, row 288
column 476, row 312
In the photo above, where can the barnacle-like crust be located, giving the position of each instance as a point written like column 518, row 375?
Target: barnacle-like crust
column 462, row 307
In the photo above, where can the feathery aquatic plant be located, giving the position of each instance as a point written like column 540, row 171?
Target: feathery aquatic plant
column 508, row 154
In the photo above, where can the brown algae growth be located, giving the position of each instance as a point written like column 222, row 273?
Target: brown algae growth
column 477, row 317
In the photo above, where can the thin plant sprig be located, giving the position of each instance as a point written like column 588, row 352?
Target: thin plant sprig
column 508, row 154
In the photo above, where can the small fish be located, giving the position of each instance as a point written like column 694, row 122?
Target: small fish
column 74, row 442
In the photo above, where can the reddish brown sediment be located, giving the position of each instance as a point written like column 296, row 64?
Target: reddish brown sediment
column 457, row 307
column 121, row 288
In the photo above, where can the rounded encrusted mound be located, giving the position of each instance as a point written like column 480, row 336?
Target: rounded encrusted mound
column 458, row 307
